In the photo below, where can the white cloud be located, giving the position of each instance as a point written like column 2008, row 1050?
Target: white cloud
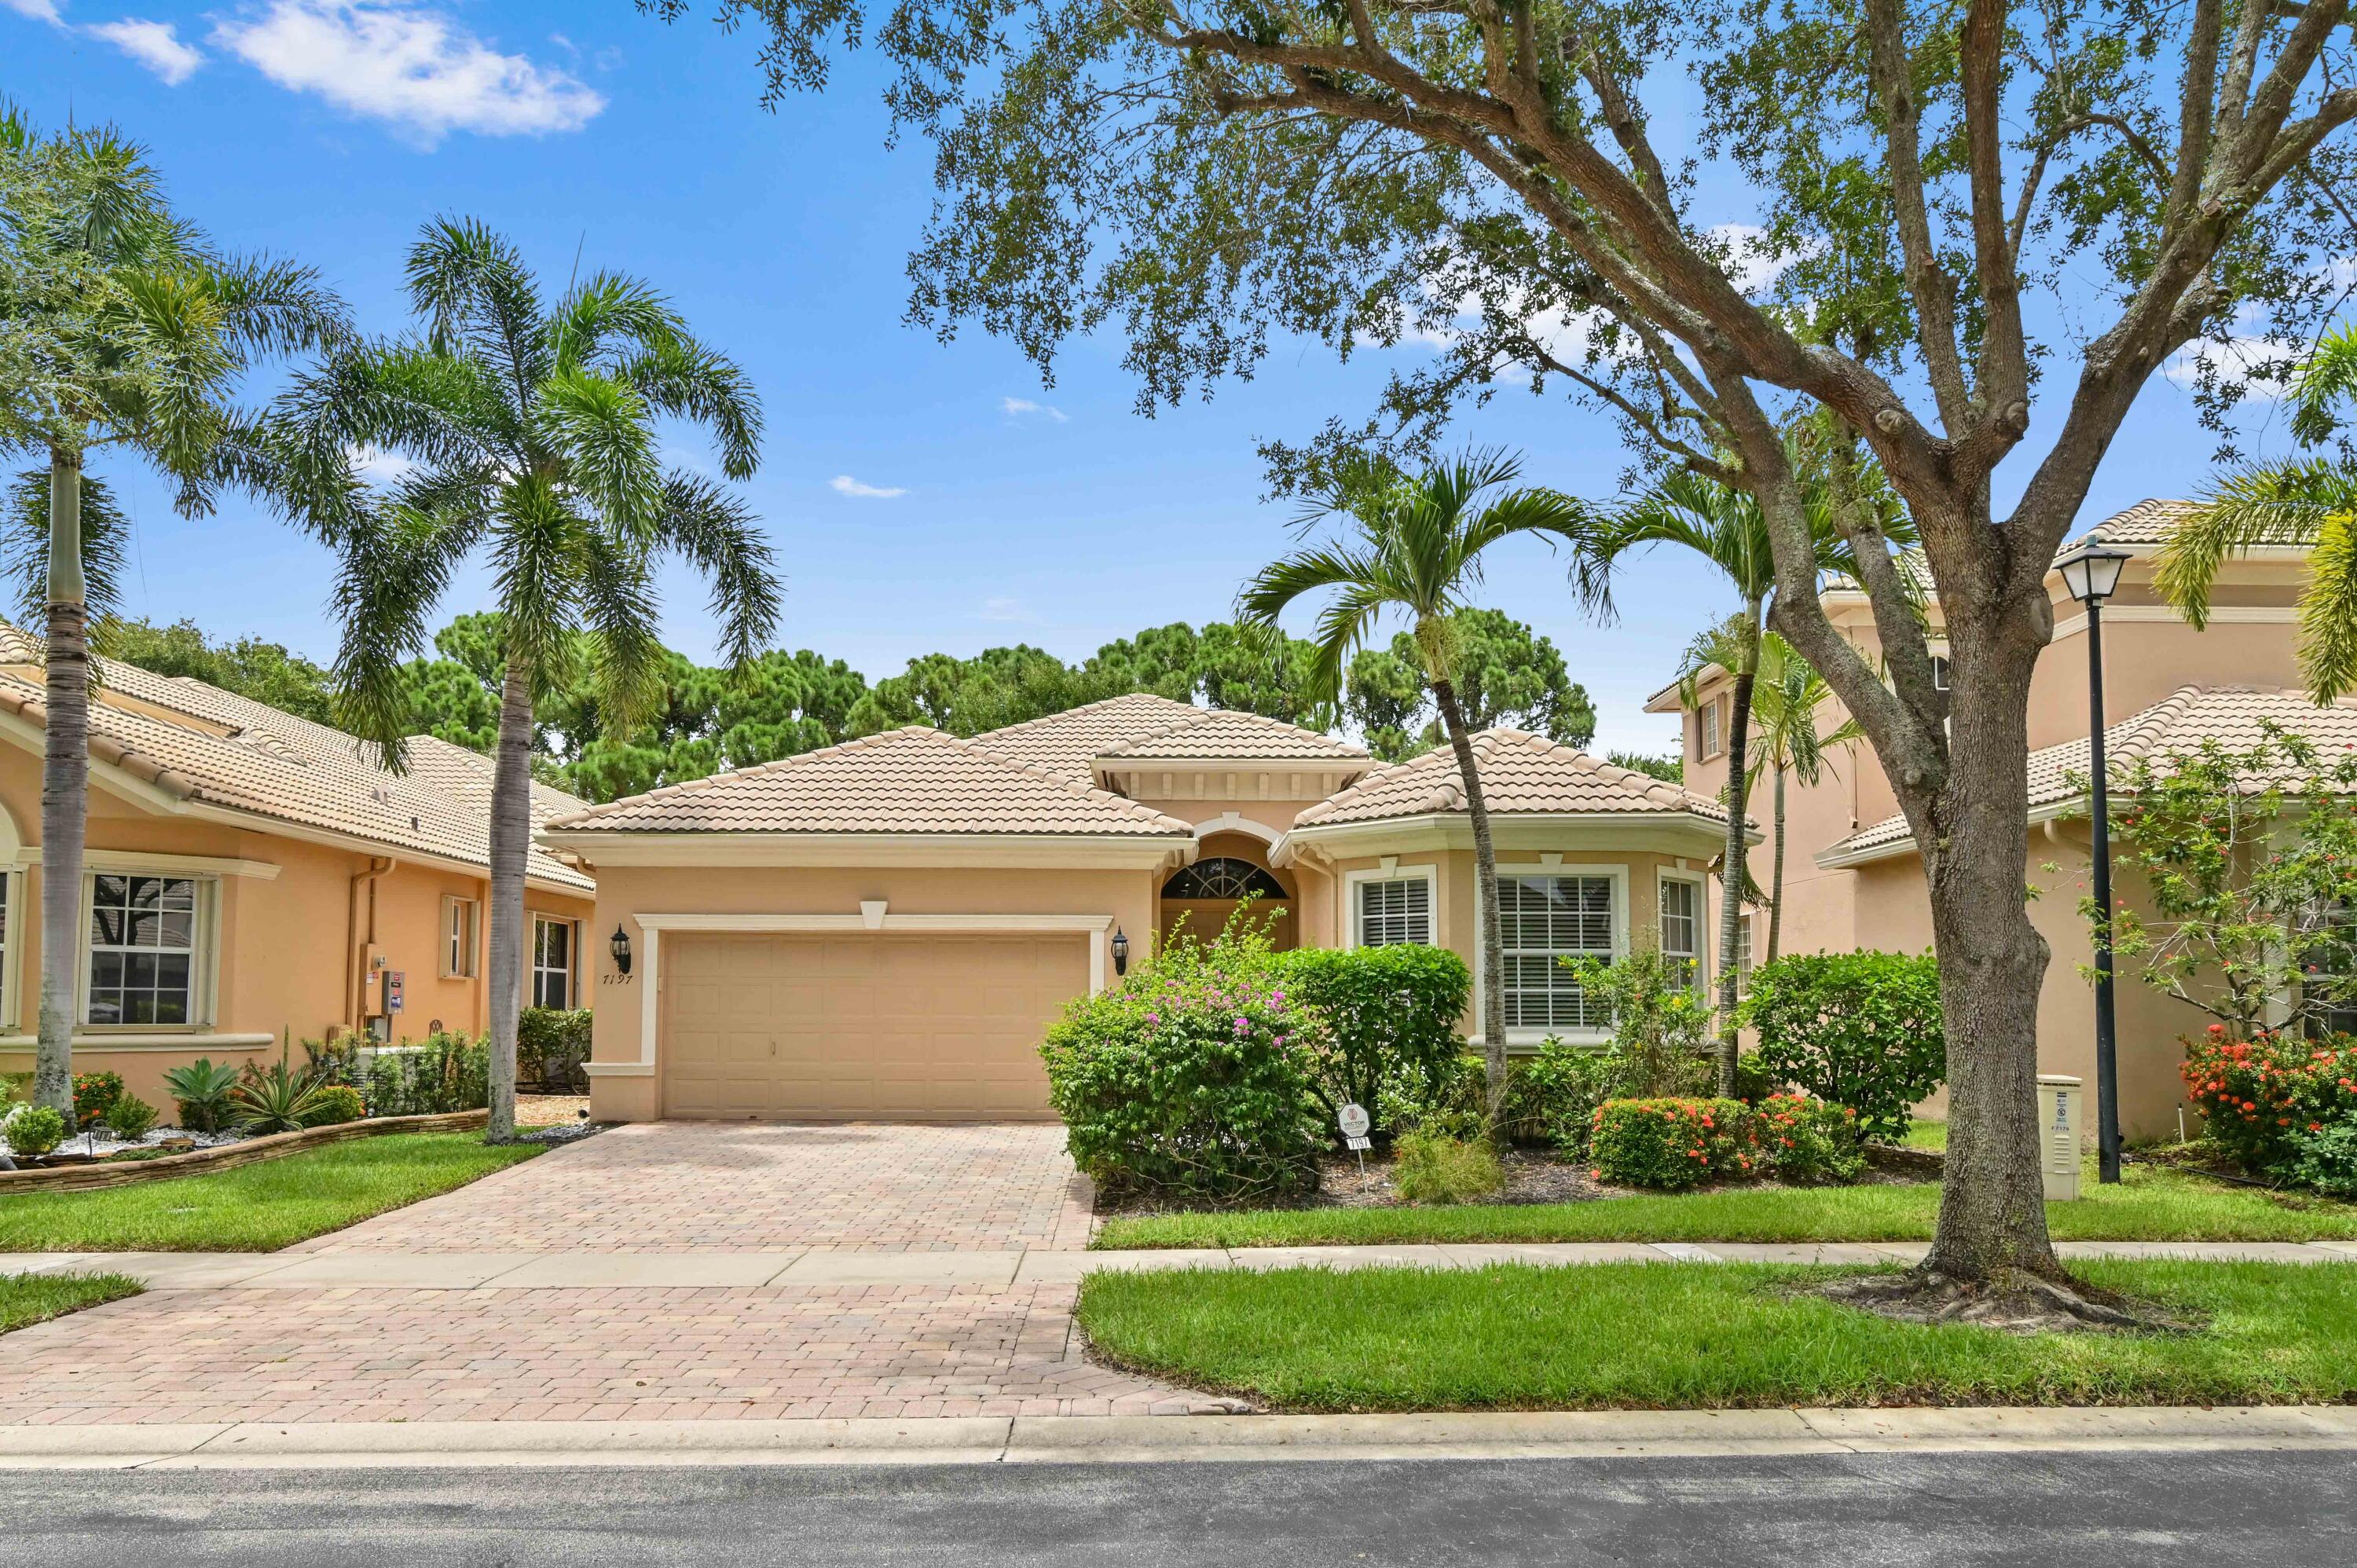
column 379, row 467
column 1016, row 407
column 414, row 68
column 36, row 10
column 156, row 44
column 845, row 485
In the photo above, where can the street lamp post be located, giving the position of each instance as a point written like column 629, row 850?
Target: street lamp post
column 2092, row 573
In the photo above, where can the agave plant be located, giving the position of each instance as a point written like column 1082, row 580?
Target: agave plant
column 280, row 1100
column 206, row 1091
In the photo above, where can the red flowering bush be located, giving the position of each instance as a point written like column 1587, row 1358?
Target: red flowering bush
column 1810, row 1140
column 1676, row 1144
column 2266, row 1097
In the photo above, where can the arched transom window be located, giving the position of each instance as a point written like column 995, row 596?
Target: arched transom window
column 1223, row 877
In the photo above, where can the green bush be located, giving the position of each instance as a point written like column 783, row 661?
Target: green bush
column 1195, row 1078
column 94, row 1094
column 334, row 1061
column 334, row 1103
column 35, row 1130
column 1391, row 1013
column 448, row 1072
column 1428, row 1167
column 1809, row 1140
column 1674, row 1143
column 130, row 1118
column 1552, row 1095
column 1860, row 1029
column 551, row 1044
column 204, row 1090
column 1660, row 1024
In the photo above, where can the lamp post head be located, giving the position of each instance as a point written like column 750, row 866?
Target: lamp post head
column 2092, row 571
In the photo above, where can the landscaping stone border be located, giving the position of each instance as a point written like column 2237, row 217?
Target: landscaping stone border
column 1904, row 1161
column 228, row 1157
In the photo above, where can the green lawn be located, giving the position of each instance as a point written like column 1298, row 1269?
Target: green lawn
column 2151, row 1204
column 27, row 1299
column 1931, row 1135
column 257, row 1208
column 1697, row 1334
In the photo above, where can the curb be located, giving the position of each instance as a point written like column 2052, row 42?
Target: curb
column 1114, row 1440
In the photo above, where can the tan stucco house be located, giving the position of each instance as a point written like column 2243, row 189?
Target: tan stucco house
column 884, row 928
column 1853, row 878
column 252, row 874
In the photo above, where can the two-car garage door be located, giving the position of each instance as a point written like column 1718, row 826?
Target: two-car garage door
column 913, row 1028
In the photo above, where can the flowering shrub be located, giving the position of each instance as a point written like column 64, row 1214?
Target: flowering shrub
column 94, row 1094
column 1810, row 1140
column 1195, row 1078
column 2265, row 1096
column 1674, row 1143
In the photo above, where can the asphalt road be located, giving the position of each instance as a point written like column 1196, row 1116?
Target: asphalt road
column 2086, row 1511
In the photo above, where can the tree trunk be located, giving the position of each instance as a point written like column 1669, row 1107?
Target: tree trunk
column 65, row 788
column 1975, row 844
column 1730, row 881
column 1776, row 877
column 1485, row 895
column 511, row 843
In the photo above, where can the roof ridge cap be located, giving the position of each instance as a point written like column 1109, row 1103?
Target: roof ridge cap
column 1138, row 810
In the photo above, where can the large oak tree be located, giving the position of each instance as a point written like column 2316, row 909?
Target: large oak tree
column 1926, row 231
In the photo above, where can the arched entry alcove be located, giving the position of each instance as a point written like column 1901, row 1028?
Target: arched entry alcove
column 1198, row 900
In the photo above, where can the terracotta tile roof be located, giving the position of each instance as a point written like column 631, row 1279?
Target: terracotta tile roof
column 2235, row 716
column 914, row 780
column 1226, row 733
column 199, row 743
column 2146, row 522
column 1068, row 742
column 1520, row 773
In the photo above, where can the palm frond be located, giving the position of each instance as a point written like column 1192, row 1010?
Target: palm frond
column 478, row 296
column 717, row 533
column 600, row 428
column 25, row 548
column 2327, row 610
column 279, row 307
column 2277, row 503
column 394, row 563
column 683, row 378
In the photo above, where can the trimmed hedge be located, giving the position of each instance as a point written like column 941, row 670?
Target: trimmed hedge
column 1391, row 1013
column 1860, row 1029
column 551, row 1044
column 448, row 1072
column 1676, row 1144
column 1673, row 1144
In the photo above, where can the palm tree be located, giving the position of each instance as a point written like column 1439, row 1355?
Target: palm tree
column 2309, row 501
column 531, row 430
column 122, row 328
column 1725, row 526
column 1415, row 547
column 1785, row 697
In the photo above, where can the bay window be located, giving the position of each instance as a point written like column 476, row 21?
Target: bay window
column 1542, row 920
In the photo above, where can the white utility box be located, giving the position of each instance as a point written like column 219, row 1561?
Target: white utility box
column 2059, row 1100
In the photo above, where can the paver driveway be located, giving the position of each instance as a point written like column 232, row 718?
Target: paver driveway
column 681, row 1186
column 642, row 1349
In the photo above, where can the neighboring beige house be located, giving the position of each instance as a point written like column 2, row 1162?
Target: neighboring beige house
column 253, row 878
column 884, row 927
column 1852, row 876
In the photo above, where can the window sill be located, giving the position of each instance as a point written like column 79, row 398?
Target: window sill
column 135, row 1039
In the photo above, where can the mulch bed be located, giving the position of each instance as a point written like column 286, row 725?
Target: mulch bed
column 1532, row 1175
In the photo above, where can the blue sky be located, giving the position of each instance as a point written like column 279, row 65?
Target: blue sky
column 327, row 129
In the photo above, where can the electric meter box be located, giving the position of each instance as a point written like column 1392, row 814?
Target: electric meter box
column 2061, row 1100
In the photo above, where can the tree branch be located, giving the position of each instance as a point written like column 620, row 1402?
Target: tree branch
column 1928, row 283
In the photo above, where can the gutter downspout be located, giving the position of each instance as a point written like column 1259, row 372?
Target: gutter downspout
column 353, row 980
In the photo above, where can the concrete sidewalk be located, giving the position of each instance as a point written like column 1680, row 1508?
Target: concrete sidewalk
column 1132, row 1440
column 1002, row 1268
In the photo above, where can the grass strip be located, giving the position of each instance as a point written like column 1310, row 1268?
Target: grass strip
column 1684, row 1336
column 2151, row 1204
column 27, row 1299
column 258, row 1208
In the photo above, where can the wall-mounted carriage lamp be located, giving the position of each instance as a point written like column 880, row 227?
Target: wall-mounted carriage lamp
column 1120, row 952
column 621, row 948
